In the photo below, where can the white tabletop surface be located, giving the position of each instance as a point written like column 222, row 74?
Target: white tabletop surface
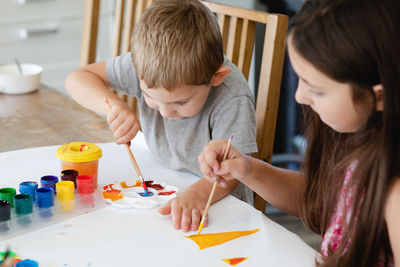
column 129, row 237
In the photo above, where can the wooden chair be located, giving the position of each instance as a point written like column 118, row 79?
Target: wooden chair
column 238, row 26
column 127, row 13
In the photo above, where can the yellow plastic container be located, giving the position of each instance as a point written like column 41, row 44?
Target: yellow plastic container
column 80, row 156
column 66, row 195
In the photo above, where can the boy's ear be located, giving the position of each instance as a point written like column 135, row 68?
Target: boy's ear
column 220, row 75
column 378, row 90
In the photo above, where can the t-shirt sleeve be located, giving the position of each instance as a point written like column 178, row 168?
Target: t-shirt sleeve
column 122, row 75
column 237, row 116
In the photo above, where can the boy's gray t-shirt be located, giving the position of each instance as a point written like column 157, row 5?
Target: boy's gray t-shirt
column 178, row 143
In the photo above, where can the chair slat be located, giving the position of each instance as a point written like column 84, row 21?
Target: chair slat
column 89, row 31
column 149, row 2
column 270, row 78
column 235, row 34
column 117, row 31
column 129, row 22
column 224, row 22
column 253, row 15
column 141, row 7
column 246, row 47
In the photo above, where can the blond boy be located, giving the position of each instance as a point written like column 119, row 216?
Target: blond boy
column 187, row 94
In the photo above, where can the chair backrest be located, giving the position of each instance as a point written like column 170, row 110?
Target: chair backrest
column 127, row 13
column 238, row 28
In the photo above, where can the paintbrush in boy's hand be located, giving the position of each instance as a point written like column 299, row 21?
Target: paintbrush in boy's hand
column 214, row 187
column 146, row 191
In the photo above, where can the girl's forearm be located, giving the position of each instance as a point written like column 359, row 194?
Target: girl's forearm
column 280, row 187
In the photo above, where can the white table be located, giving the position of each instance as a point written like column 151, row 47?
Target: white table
column 129, row 237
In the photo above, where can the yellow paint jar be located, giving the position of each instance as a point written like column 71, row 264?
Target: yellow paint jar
column 66, row 195
column 80, row 156
column 65, row 190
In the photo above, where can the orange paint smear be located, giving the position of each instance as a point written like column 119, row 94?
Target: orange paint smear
column 110, row 193
column 235, row 261
column 210, row 240
column 137, row 184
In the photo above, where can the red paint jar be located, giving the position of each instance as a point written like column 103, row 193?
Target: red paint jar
column 84, row 184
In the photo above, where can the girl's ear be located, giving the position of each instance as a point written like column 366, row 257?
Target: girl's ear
column 378, row 90
column 220, row 75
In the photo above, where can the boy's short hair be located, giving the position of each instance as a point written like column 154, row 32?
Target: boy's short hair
column 177, row 42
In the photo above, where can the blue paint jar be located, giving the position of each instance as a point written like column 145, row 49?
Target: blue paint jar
column 28, row 187
column 27, row 263
column 45, row 201
column 49, row 181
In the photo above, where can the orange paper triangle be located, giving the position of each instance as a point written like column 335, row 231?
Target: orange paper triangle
column 210, row 240
column 235, row 261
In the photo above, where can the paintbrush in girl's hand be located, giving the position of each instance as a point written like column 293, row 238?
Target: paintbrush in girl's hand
column 214, row 187
column 146, row 191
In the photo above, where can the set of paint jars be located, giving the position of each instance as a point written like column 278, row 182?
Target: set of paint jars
column 54, row 196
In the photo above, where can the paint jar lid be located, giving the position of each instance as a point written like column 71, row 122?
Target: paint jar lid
column 79, row 152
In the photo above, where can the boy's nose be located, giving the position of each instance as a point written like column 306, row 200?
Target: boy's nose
column 166, row 112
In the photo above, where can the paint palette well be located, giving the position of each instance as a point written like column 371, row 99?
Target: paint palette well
column 130, row 195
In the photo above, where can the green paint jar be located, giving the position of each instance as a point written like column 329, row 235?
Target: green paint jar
column 7, row 194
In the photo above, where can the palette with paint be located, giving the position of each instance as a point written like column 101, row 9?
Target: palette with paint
column 130, row 195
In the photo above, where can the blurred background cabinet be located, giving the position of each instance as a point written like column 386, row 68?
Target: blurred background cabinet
column 48, row 33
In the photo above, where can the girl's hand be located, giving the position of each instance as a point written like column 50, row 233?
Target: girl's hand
column 235, row 166
column 123, row 122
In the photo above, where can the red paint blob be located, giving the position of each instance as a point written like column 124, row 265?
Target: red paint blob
column 166, row 193
column 155, row 186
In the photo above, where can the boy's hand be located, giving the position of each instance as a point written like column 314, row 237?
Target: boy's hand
column 123, row 122
column 235, row 166
column 186, row 209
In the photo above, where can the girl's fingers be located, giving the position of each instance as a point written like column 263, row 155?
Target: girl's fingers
column 213, row 153
column 206, row 169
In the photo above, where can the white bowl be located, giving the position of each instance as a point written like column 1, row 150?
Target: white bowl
column 12, row 82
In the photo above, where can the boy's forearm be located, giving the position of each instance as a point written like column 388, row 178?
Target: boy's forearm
column 282, row 188
column 89, row 87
